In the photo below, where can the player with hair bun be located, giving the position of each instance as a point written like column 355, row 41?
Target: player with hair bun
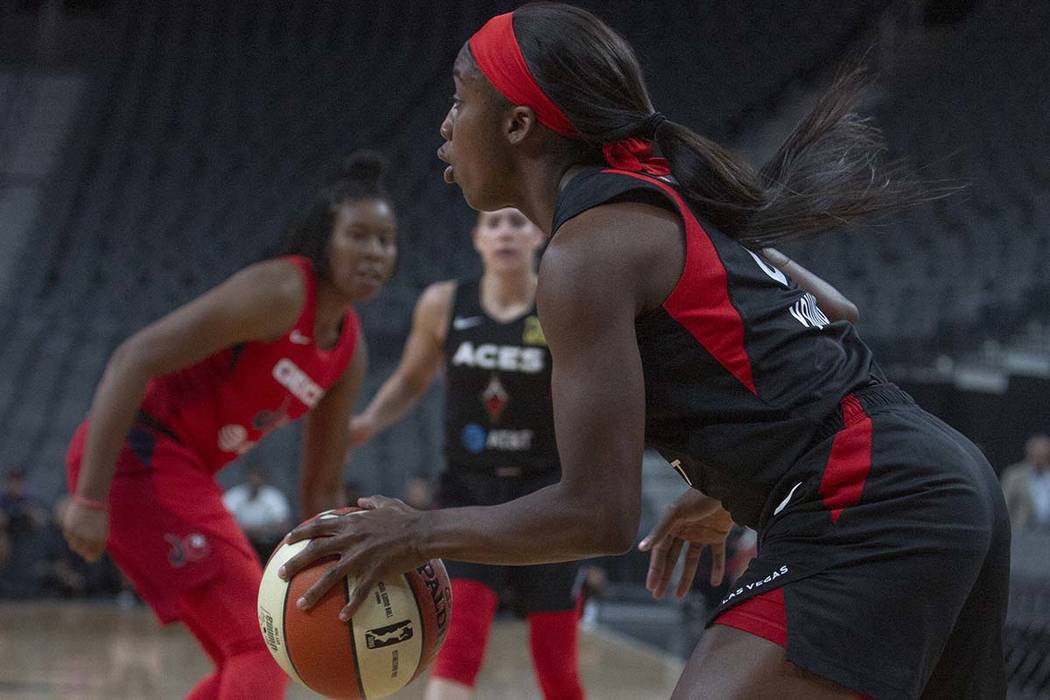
column 192, row 391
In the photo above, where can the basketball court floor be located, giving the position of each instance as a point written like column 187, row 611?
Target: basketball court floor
column 79, row 651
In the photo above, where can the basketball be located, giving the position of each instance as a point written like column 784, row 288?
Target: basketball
column 393, row 637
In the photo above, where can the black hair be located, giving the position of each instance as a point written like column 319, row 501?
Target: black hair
column 360, row 177
column 826, row 174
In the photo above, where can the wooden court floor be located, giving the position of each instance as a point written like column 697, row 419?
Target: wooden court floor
column 74, row 651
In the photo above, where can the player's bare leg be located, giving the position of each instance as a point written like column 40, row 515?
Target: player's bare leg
column 729, row 664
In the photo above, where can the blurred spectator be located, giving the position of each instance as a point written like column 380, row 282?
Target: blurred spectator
column 1027, row 486
column 25, row 518
column 62, row 573
column 261, row 510
column 5, row 542
column 25, row 513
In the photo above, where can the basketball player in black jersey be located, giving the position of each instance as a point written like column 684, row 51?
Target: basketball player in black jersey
column 499, row 438
column 883, row 555
column 499, row 444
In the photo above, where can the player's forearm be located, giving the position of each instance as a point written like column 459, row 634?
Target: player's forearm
column 833, row 302
column 320, row 485
column 117, row 400
column 395, row 399
column 317, row 497
column 549, row 525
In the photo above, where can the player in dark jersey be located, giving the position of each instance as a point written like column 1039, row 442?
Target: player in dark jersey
column 883, row 555
column 192, row 391
column 499, row 444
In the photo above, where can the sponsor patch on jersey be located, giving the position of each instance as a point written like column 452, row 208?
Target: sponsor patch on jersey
column 298, row 382
column 473, row 438
column 533, row 333
column 505, row 358
column 476, row 439
column 509, row 440
column 234, row 438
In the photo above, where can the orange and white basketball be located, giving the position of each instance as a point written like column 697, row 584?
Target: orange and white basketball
column 392, row 638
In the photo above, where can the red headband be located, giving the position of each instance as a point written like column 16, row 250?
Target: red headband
column 496, row 50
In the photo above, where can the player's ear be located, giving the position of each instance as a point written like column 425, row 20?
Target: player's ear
column 519, row 123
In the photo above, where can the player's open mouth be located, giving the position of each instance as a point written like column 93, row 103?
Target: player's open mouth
column 449, row 175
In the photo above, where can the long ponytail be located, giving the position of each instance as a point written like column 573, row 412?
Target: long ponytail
column 827, row 174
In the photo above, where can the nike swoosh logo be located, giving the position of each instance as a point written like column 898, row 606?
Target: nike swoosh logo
column 783, row 504
column 461, row 324
column 298, row 338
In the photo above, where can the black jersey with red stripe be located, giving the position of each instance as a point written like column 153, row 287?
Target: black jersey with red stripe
column 741, row 367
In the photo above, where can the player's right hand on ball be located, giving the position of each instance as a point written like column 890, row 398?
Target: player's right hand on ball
column 381, row 539
column 86, row 530
column 362, row 428
column 693, row 521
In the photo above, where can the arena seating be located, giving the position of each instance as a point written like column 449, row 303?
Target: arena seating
column 207, row 125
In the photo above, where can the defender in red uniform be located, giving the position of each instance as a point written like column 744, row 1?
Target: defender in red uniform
column 883, row 554
column 196, row 389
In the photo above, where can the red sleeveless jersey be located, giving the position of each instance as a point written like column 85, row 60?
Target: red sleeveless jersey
column 224, row 404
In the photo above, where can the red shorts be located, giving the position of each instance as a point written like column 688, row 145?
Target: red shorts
column 169, row 531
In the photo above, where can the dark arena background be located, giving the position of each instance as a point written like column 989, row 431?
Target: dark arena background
column 150, row 149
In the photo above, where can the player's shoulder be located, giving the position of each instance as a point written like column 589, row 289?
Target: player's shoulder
column 437, row 298
column 280, row 281
column 620, row 252
column 591, row 186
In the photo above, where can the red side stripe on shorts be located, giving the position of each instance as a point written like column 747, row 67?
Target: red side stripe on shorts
column 850, row 461
column 762, row 616
column 700, row 301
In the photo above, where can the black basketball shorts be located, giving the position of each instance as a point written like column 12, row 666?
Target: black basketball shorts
column 538, row 588
column 887, row 554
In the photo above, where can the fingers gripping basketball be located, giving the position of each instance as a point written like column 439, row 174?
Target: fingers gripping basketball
column 391, row 639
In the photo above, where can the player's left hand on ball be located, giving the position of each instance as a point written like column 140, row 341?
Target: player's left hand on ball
column 693, row 521
column 381, row 541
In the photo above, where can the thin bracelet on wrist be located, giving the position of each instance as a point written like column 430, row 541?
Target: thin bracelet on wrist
column 90, row 502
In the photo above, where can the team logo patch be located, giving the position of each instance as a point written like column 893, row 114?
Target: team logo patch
column 391, row 634
column 265, row 421
column 495, row 398
column 192, row 547
column 533, row 333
